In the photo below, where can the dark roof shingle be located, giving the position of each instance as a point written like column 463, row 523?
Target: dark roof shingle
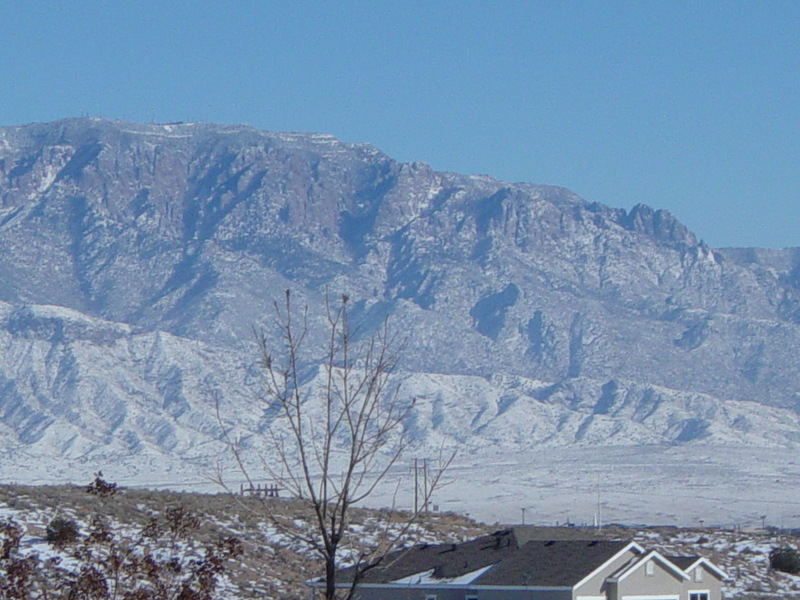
column 561, row 563
column 683, row 562
column 535, row 563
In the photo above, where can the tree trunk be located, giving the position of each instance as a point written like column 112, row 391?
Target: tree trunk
column 330, row 578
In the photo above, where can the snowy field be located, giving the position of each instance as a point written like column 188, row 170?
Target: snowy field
column 654, row 485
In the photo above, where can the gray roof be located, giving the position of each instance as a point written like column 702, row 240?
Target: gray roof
column 552, row 563
column 683, row 562
column 534, row 563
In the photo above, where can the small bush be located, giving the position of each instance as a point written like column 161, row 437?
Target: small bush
column 62, row 531
column 100, row 487
column 785, row 559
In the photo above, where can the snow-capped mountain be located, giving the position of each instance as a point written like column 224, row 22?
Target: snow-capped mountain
column 135, row 261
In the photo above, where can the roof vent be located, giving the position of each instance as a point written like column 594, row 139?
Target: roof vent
column 550, row 543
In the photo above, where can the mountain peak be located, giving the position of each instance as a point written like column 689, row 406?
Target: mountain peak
column 659, row 224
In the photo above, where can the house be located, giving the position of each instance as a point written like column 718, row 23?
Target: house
column 508, row 565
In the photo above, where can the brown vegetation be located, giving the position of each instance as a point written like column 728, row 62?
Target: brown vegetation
column 270, row 566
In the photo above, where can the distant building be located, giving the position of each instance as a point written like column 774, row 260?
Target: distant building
column 507, row 565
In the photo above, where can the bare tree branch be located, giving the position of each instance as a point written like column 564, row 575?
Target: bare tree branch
column 333, row 459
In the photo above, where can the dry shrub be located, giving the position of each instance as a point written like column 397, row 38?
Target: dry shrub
column 62, row 531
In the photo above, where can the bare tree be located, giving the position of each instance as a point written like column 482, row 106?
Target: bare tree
column 333, row 458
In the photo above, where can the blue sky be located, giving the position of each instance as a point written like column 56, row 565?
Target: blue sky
column 689, row 106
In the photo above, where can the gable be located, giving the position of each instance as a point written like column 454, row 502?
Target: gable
column 650, row 575
column 594, row 583
column 649, row 565
column 706, row 569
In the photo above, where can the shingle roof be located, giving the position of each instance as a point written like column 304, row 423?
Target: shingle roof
column 446, row 560
column 561, row 563
column 683, row 562
column 551, row 564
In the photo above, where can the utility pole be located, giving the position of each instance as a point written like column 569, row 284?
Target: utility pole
column 425, row 483
column 422, row 487
column 416, row 487
column 523, row 515
column 599, row 517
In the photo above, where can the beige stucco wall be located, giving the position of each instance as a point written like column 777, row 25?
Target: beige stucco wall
column 710, row 583
column 663, row 582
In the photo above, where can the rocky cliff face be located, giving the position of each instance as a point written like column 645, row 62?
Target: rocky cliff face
column 180, row 236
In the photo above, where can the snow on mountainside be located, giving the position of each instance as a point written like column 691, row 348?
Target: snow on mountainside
column 135, row 260
column 83, row 387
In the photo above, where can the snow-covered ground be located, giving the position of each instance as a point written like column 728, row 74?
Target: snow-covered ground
column 274, row 564
column 654, row 485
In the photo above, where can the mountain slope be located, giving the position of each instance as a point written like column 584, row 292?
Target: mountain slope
column 136, row 259
column 192, row 229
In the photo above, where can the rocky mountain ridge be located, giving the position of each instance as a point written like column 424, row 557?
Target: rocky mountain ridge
column 136, row 259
